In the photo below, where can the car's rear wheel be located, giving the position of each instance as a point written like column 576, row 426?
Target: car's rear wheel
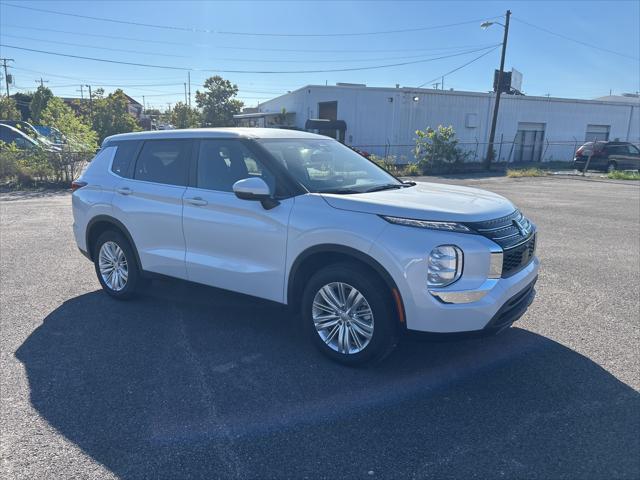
column 612, row 166
column 116, row 265
column 349, row 314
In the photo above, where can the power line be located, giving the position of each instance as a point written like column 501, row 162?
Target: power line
column 97, row 35
column 354, row 34
column 229, row 47
column 94, row 47
column 127, row 85
column 590, row 45
column 81, row 79
column 226, row 47
column 218, row 59
column 260, row 34
column 170, row 67
column 458, row 68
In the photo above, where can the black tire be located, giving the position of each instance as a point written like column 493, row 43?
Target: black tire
column 134, row 280
column 385, row 322
column 612, row 166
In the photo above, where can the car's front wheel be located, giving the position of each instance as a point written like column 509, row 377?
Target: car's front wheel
column 116, row 265
column 349, row 314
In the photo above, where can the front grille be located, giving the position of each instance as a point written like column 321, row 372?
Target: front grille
column 516, row 258
column 515, row 234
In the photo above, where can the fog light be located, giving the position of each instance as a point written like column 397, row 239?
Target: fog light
column 444, row 266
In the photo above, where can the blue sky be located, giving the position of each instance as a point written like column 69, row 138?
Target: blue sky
column 550, row 65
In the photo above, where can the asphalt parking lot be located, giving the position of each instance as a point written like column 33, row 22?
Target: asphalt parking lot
column 192, row 382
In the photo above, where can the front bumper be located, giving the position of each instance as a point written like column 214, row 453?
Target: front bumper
column 497, row 308
column 513, row 309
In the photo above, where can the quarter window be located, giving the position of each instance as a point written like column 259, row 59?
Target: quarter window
column 124, row 155
column 221, row 163
column 164, row 161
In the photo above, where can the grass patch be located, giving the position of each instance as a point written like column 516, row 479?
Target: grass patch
column 621, row 175
column 526, row 172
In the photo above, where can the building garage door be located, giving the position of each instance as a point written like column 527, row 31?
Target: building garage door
column 597, row 133
column 529, row 142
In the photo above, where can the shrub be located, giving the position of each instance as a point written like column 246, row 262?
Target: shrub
column 388, row 163
column 622, row 175
column 412, row 170
column 29, row 167
column 526, row 172
column 437, row 147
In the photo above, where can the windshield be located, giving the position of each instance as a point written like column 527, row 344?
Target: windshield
column 327, row 166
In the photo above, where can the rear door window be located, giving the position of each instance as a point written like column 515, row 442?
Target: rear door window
column 125, row 156
column 164, row 161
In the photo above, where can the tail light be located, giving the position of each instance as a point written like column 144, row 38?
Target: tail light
column 76, row 185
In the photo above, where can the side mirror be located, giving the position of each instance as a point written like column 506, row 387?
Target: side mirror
column 255, row 189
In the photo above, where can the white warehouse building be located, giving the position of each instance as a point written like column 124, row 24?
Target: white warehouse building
column 384, row 120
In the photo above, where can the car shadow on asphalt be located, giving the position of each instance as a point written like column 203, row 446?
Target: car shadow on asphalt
column 189, row 381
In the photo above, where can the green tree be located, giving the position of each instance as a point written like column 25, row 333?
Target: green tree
column 217, row 103
column 79, row 135
column 183, row 116
column 111, row 115
column 39, row 103
column 23, row 102
column 9, row 109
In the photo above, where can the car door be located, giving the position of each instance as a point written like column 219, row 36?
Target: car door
column 149, row 204
column 232, row 243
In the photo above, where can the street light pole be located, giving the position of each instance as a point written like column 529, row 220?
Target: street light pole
column 494, row 120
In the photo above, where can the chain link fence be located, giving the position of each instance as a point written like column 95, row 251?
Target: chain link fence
column 31, row 168
column 506, row 151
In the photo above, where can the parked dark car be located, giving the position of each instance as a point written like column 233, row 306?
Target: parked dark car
column 21, row 140
column 608, row 156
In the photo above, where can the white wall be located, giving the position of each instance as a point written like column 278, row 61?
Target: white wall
column 384, row 120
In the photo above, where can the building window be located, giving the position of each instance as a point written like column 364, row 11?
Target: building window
column 597, row 133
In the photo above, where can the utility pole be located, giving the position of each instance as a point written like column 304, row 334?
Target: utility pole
column 185, row 94
column 189, row 81
column 6, row 75
column 81, row 92
column 494, row 120
column 42, row 82
column 144, row 107
column 90, row 103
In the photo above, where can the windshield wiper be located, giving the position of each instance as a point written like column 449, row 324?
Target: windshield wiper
column 388, row 186
column 345, row 191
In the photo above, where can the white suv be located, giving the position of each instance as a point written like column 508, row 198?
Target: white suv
column 302, row 220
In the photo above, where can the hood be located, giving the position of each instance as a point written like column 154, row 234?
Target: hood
column 427, row 201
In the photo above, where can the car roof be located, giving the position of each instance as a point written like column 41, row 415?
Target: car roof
column 234, row 132
column 15, row 130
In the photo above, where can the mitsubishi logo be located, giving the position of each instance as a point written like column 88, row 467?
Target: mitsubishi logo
column 522, row 225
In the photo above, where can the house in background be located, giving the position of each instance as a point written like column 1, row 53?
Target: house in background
column 135, row 108
column 383, row 120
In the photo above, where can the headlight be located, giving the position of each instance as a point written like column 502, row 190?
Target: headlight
column 410, row 222
column 444, row 266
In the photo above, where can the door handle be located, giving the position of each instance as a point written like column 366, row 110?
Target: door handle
column 124, row 191
column 197, row 201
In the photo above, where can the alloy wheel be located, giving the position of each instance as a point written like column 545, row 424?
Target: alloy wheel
column 114, row 269
column 343, row 318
